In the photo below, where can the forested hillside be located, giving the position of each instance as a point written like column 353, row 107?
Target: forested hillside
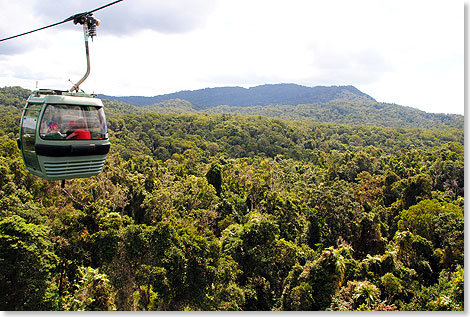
column 352, row 113
column 264, row 95
column 197, row 211
column 335, row 104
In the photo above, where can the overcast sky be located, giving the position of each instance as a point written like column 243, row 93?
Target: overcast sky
column 406, row 52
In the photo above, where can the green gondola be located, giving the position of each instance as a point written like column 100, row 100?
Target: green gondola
column 63, row 135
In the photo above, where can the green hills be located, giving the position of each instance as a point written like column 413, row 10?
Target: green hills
column 277, row 94
column 334, row 104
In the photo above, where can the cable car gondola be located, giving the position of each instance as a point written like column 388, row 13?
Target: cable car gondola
column 63, row 134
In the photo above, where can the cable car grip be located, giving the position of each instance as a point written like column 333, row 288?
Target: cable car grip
column 89, row 30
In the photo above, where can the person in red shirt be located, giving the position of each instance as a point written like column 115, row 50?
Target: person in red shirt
column 81, row 132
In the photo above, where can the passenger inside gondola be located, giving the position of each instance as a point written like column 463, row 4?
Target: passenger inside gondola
column 79, row 131
column 53, row 132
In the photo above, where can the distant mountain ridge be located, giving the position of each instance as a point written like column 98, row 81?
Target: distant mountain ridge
column 264, row 95
column 332, row 104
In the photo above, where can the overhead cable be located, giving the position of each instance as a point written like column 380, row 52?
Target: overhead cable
column 71, row 18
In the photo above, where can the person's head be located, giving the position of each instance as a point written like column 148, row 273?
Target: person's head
column 53, row 127
column 80, row 123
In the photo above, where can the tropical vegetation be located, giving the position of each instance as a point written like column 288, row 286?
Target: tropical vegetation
column 197, row 211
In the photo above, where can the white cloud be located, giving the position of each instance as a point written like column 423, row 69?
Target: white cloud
column 130, row 16
column 405, row 52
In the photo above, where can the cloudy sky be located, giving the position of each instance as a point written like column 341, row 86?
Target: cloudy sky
column 408, row 52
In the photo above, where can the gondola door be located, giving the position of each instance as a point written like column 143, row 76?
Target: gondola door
column 27, row 141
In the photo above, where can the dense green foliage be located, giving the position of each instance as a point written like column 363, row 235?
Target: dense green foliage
column 231, row 212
